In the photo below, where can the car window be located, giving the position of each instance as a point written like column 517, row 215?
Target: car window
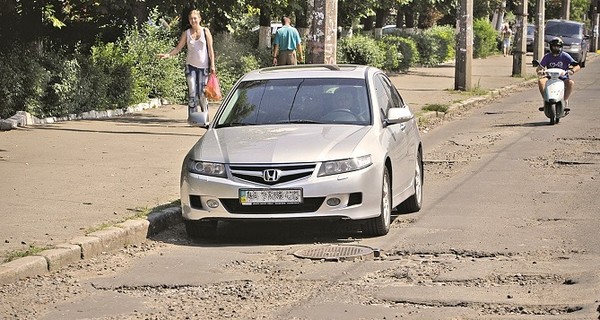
column 571, row 30
column 387, row 95
column 278, row 101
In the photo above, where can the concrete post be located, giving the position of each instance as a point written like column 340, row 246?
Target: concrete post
column 322, row 38
column 538, row 45
column 595, row 22
column 464, row 47
column 519, row 67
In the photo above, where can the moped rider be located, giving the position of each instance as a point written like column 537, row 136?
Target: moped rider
column 556, row 58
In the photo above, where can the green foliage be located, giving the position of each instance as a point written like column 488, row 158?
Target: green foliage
column 406, row 49
column 62, row 87
column 235, row 59
column 435, row 45
column 21, row 80
column 361, row 50
column 111, row 76
column 444, row 36
column 485, row 39
column 153, row 77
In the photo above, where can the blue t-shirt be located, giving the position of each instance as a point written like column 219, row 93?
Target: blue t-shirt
column 561, row 61
column 287, row 38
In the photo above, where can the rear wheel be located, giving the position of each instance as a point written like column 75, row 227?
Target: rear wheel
column 380, row 225
column 200, row 229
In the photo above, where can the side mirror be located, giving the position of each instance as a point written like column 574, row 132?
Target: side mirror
column 398, row 115
column 535, row 63
column 198, row 119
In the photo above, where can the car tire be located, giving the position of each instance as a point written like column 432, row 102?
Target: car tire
column 414, row 203
column 380, row 225
column 200, row 229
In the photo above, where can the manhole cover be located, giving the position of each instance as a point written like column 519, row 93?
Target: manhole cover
column 336, row 253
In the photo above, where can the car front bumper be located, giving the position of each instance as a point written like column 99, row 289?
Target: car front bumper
column 359, row 194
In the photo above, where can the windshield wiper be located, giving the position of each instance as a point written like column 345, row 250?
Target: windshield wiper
column 299, row 121
column 234, row 124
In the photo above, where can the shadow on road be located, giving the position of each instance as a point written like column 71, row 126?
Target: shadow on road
column 253, row 233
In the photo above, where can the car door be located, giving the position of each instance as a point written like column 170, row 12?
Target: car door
column 395, row 136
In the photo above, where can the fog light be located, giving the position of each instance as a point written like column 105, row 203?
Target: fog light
column 211, row 203
column 332, row 202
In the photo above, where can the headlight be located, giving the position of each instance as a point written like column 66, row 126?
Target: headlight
column 345, row 165
column 206, row 168
column 574, row 46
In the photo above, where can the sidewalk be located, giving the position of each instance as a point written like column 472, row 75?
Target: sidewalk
column 63, row 180
column 427, row 86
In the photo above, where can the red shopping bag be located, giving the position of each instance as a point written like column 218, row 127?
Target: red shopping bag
column 213, row 90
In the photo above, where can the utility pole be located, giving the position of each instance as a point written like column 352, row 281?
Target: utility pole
column 464, row 52
column 595, row 22
column 322, row 37
column 538, row 48
column 519, row 67
column 566, row 9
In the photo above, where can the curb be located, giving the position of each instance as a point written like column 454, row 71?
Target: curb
column 23, row 118
column 130, row 232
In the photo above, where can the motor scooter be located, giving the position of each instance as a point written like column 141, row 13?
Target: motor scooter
column 554, row 93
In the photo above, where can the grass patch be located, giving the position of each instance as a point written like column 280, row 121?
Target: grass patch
column 443, row 108
column 31, row 251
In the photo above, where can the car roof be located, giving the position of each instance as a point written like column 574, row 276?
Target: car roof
column 347, row 71
column 563, row 21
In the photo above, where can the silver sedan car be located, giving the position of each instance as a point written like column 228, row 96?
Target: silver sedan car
column 305, row 142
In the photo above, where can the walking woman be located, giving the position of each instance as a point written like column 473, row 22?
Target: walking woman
column 200, row 60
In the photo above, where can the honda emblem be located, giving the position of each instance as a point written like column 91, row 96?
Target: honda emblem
column 271, row 175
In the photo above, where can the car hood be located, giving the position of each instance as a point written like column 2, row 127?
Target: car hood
column 279, row 144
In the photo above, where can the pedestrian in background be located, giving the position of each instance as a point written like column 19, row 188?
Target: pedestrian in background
column 506, row 34
column 200, row 60
column 287, row 47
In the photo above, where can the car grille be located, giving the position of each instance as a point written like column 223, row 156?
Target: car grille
column 271, row 175
column 309, row 205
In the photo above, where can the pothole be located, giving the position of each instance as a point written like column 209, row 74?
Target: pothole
column 337, row 252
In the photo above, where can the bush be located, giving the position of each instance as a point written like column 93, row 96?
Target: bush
column 22, row 81
column 485, row 39
column 405, row 47
column 360, row 50
column 444, row 36
column 234, row 59
column 153, row 77
column 62, row 86
column 111, row 77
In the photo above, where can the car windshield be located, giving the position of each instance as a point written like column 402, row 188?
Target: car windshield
column 563, row 29
column 282, row 101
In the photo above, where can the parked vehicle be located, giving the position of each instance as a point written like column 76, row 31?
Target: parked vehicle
column 305, row 142
column 574, row 36
column 530, row 37
column 554, row 94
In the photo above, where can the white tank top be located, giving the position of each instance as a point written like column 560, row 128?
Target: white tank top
column 197, row 53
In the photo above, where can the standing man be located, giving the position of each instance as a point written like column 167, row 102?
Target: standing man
column 287, row 47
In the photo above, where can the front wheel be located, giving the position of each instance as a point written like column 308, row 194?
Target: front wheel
column 414, row 203
column 380, row 225
column 552, row 113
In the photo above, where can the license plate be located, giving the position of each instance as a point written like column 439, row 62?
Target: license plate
column 250, row 197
